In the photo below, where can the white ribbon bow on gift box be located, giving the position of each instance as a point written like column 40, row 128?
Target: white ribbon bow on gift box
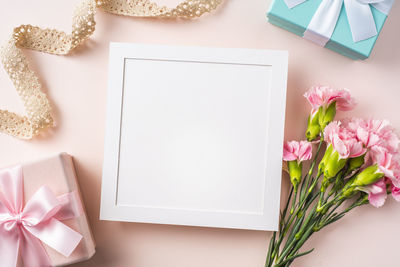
column 359, row 15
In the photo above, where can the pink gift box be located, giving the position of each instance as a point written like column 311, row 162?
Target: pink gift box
column 58, row 174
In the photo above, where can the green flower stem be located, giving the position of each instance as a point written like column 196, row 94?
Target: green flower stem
column 337, row 185
column 290, row 259
column 362, row 200
column 271, row 245
column 293, row 202
column 283, row 214
column 312, row 227
column 298, row 237
column 294, row 230
column 301, row 242
column 331, row 213
column 321, row 200
column 298, row 223
column 310, row 217
column 295, row 245
column 327, row 205
column 284, row 229
column 304, row 238
column 310, row 172
column 299, row 228
column 309, row 227
column 272, row 250
column 291, row 218
column 285, row 252
column 295, row 215
column 282, row 233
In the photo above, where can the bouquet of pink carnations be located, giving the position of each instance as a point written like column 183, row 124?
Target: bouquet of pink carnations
column 360, row 165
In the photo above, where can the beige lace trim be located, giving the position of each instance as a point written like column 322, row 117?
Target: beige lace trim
column 38, row 111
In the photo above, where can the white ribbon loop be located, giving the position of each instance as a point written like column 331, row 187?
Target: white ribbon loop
column 359, row 15
column 362, row 23
column 382, row 6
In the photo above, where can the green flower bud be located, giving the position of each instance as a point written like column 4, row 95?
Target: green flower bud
column 295, row 172
column 318, row 121
column 327, row 115
column 368, row 176
column 355, row 163
column 333, row 165
column 322, row 164
column 313, row 128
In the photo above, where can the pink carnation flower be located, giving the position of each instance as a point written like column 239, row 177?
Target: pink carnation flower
column 343, row 141
column 375, row 133
column 388, row 163
column 323, row 96
column 295, row 150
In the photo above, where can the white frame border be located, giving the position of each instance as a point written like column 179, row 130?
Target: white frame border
column 269, row 219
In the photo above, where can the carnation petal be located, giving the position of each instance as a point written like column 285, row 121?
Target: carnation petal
column 340, row 147
column 377, row 194
column 362, row 135
column 396, row 193
column 356, row 149
column 305, row 151
column 377, row 200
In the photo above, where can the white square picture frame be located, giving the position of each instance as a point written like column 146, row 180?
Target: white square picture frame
column 194, row 136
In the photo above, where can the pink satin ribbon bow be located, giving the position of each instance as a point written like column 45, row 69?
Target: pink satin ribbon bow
column 22, row 229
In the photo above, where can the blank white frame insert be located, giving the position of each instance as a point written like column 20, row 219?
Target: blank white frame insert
column 194, row 136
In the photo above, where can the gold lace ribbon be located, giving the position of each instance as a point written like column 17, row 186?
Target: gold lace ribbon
column 38, row 111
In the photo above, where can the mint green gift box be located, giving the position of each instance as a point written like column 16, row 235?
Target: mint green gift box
column 298, row 18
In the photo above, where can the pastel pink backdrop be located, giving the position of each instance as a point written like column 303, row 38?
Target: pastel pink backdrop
column 76, row 85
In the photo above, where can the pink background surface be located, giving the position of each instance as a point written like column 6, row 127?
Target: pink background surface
column 76, row 85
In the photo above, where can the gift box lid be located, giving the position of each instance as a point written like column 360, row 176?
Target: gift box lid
column 298, row 18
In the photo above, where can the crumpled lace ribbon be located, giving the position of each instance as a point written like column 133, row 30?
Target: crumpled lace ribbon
column 38, row 110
